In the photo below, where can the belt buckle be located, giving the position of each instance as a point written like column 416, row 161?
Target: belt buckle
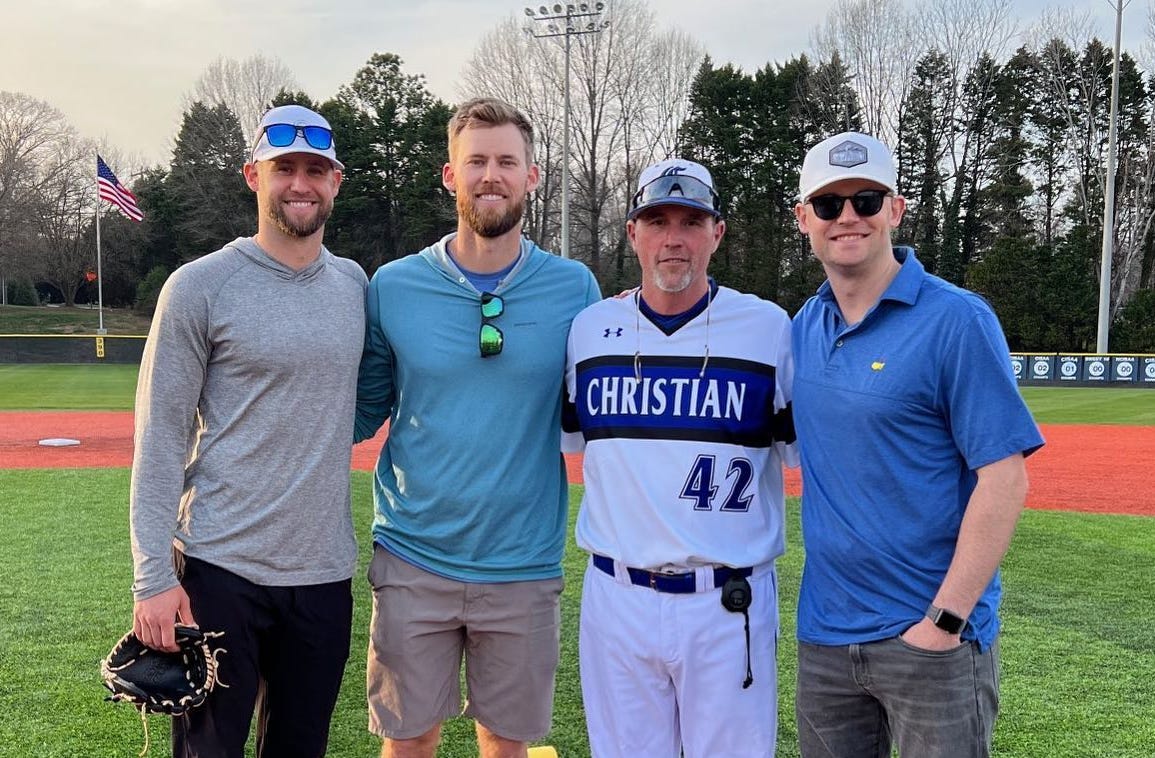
column 653, row 580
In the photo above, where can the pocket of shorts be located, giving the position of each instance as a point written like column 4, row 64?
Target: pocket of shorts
column 375, row 572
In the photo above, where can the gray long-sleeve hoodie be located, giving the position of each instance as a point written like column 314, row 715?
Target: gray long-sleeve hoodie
column 244, row 420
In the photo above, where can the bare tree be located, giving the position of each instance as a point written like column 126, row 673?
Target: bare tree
column 1077, row 71
column 246, row 87
column 512, row 65
column 31, row 134
column 1057, row 36
column 628, row 88
column 880, row 43
column 63, row 212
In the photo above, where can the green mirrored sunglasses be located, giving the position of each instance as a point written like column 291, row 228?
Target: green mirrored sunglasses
column 490, row 339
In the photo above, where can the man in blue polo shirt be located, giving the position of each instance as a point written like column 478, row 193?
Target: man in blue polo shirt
column 913, row 437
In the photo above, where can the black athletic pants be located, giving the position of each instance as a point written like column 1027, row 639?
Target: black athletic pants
column 286, row 652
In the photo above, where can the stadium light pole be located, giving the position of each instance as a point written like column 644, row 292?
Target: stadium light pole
column 569, row 15
column 1103, row 333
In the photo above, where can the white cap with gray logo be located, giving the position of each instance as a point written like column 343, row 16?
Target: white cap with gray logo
column 850, row 155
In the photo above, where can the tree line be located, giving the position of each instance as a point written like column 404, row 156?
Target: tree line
column 1001, row 153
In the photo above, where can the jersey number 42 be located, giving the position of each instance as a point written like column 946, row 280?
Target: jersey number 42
column 701, row 490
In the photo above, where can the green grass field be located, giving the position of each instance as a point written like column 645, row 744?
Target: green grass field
column 111, row 387
column 28, row 319
column 1091, row 405
column 71, row 387
column 1078, row 646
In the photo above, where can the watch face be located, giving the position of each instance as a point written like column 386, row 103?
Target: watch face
column 946, row 620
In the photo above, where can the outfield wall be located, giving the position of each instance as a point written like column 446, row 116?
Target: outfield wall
column 1083, row 370
column 1031, row 369
column 70, row 348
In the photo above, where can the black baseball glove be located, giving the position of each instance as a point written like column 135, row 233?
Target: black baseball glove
column 156, row 681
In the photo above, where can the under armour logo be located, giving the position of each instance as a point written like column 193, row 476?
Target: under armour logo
column 673, row 170
column 616, row 332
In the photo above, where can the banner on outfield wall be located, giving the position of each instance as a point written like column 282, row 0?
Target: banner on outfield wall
column 1019, row 366
column 1075, row 369
column 1042, row 368
column 1124, row 368
column 1096, row 368
column 1069, row 368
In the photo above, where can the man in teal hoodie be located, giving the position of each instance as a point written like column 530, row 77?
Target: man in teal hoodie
column 465, row 356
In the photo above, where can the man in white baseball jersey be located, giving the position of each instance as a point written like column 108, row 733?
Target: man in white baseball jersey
column 682, row 396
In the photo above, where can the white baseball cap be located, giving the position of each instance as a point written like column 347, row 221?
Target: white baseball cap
column 675, row 182
column 311, row 129
column 850, row 155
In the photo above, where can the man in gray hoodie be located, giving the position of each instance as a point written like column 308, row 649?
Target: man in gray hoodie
column 239, row 510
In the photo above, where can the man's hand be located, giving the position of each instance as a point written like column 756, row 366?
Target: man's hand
column 926, row 636
column 154, row 619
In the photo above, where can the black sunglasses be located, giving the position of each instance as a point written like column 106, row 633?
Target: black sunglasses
column 866, row 203
column 676, row 186
column 283, row 135
column 490, row 339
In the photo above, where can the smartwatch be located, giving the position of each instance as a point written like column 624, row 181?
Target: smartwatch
column 951, row 623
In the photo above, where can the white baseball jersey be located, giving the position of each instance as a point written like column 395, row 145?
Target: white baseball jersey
column 683, row 452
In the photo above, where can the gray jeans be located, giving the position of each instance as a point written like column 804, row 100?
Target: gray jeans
column 854, row 701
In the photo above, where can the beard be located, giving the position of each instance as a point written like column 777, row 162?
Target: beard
column 490, row 222
column 300, row 229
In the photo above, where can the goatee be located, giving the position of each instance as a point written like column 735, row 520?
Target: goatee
column 673, row 285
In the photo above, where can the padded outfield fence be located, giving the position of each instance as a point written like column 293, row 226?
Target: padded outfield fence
column 1084, row 370
column 70, row 348
column 1031, row 369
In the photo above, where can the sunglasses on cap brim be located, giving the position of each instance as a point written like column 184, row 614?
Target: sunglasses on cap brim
column 283, row 135
column 866, row 203
column 676, row 187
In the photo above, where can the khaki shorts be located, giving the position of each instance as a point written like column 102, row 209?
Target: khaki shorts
column 422, row 624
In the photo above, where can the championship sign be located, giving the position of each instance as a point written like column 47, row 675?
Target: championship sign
column 1124, row 368
column 1042, row 368
column 1096, row 368
column 1019, row 367
column 1069, row 367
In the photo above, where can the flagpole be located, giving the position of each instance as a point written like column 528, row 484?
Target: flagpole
column 99, row 278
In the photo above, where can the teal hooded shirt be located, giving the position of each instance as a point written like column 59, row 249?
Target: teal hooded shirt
column 470, row 483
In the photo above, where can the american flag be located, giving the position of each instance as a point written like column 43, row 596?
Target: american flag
column 109, row 188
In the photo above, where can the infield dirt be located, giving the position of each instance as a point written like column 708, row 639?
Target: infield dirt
column 1092, row 468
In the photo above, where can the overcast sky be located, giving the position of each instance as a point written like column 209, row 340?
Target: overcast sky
column 118, row 69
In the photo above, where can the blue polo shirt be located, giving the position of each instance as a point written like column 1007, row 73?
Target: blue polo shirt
column 894, row 415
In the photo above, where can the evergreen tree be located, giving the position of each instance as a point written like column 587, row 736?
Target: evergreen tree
column 925, row 124
column 211, row 202
column 391, row 132
column 1003, row 201
column 1134, row 329
column 961, row 214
